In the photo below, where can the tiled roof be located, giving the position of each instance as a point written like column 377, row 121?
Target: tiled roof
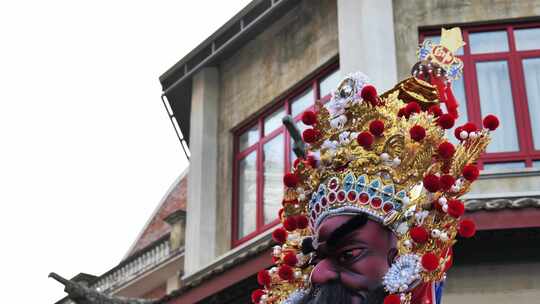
column 156, row 227
column 502, row 203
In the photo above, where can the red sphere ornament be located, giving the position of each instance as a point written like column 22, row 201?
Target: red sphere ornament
column 301, row 222
column 263, row 278
column 430, row 261
column 457, row 133
column 419, row 234
column 290, row 259
column 417, row 133
column 470, row 127
column 491, row 122
column 435, row 110
column 455, row 208
column 412, row 107
column 369, row 93
column 376, row 127
column 285, row 272
column 256, row 296
column 311, row 135
column 432, row 182
column 280, row 235
column 402, row 113
column 446, row 150
column 447, row 181
column 365, row 139
column 467, row 228
column 290, row 180
column 446, row 121
column 309, row 118
column 470, row 172
column 290, row 223
column 392, row 299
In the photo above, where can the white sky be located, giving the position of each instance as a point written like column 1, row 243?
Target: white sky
column 86, row 148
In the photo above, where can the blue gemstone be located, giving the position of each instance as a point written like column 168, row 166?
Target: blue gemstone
column 348, row 182
column 361, row 184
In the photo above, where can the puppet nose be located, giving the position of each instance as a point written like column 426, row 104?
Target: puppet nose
column 324, row 272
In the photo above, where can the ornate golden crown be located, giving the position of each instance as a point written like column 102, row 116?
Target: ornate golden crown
column 386, row 156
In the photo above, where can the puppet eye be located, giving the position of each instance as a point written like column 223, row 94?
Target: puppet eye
column 350, row 255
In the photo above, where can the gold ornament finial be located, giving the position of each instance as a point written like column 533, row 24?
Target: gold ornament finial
column 452, row 39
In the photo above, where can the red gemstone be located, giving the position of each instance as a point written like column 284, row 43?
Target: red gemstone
column 341, row 196
column 387, row 207
column 313, row 214
column 324, row 201
column 333, row 184
column 332, row 197
column 351, row 196
column 364, row 198
column 318, row 208
column 376, row 202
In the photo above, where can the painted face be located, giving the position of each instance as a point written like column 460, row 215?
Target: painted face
column 354, row 252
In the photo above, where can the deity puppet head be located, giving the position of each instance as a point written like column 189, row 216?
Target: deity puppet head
column 371, row 208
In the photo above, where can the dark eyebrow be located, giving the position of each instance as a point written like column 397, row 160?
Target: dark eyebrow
column 354, row 223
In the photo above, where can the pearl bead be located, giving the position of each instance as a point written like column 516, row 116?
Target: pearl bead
column 385, row 156
column 463, row 134
column 442, row 200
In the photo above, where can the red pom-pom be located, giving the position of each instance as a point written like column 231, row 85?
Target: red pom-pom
column 470, row 127
column 256, row 296
column 430, row 261
column 435, row 110
column 417, row 133
column 296, row 162
column 279, row 235
column 365, row 139
column 290, row 223
column 419, row 234
column 467, row 228
column 412, row 107
column 470, row 172
column 446, row 121
column 402, row 112
column 285, row 272
column 457, row 133
column 432, row 183
column 392, row 299
column 301, row 222
column 491, row 122
column 369, row 93
column 263, row 278
column 447, row 181
column 290, row 259
column 376, row 127
column 309, row 118
column 455, row 208
column 311, row 135
column 290, row 180
column 446, row 150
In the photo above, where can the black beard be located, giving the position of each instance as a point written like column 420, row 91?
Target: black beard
column 336, row 293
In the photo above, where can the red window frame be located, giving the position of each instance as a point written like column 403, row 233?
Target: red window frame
column 314, row 83
column 526, row 153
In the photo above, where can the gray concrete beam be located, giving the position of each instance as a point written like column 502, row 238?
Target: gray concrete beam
column 366, row 40
column 201, row 229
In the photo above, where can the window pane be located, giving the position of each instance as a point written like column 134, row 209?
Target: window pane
column 527, row 39
column 536, row 163
column 437, row 40
column 504, row 166
column 248, row 138
column 531, row 70
column 273, row 121
column 488, row 42
column 496, row 98
column 273, row 177
column 458, row 87
column 302, row 102
column 247, row 195
column 329, row 83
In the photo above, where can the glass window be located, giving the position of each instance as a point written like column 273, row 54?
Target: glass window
column 302, row 102
column 527, row 39
column 247, row 195
column 536, row 163
column 504, row 166
column 248, row 138
column 273, row 177
column 437, row 40
column 458, row 87
column 329, row 83
column 531, row 71
column 488, row 42
column 273, row 121
column 496, row 98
